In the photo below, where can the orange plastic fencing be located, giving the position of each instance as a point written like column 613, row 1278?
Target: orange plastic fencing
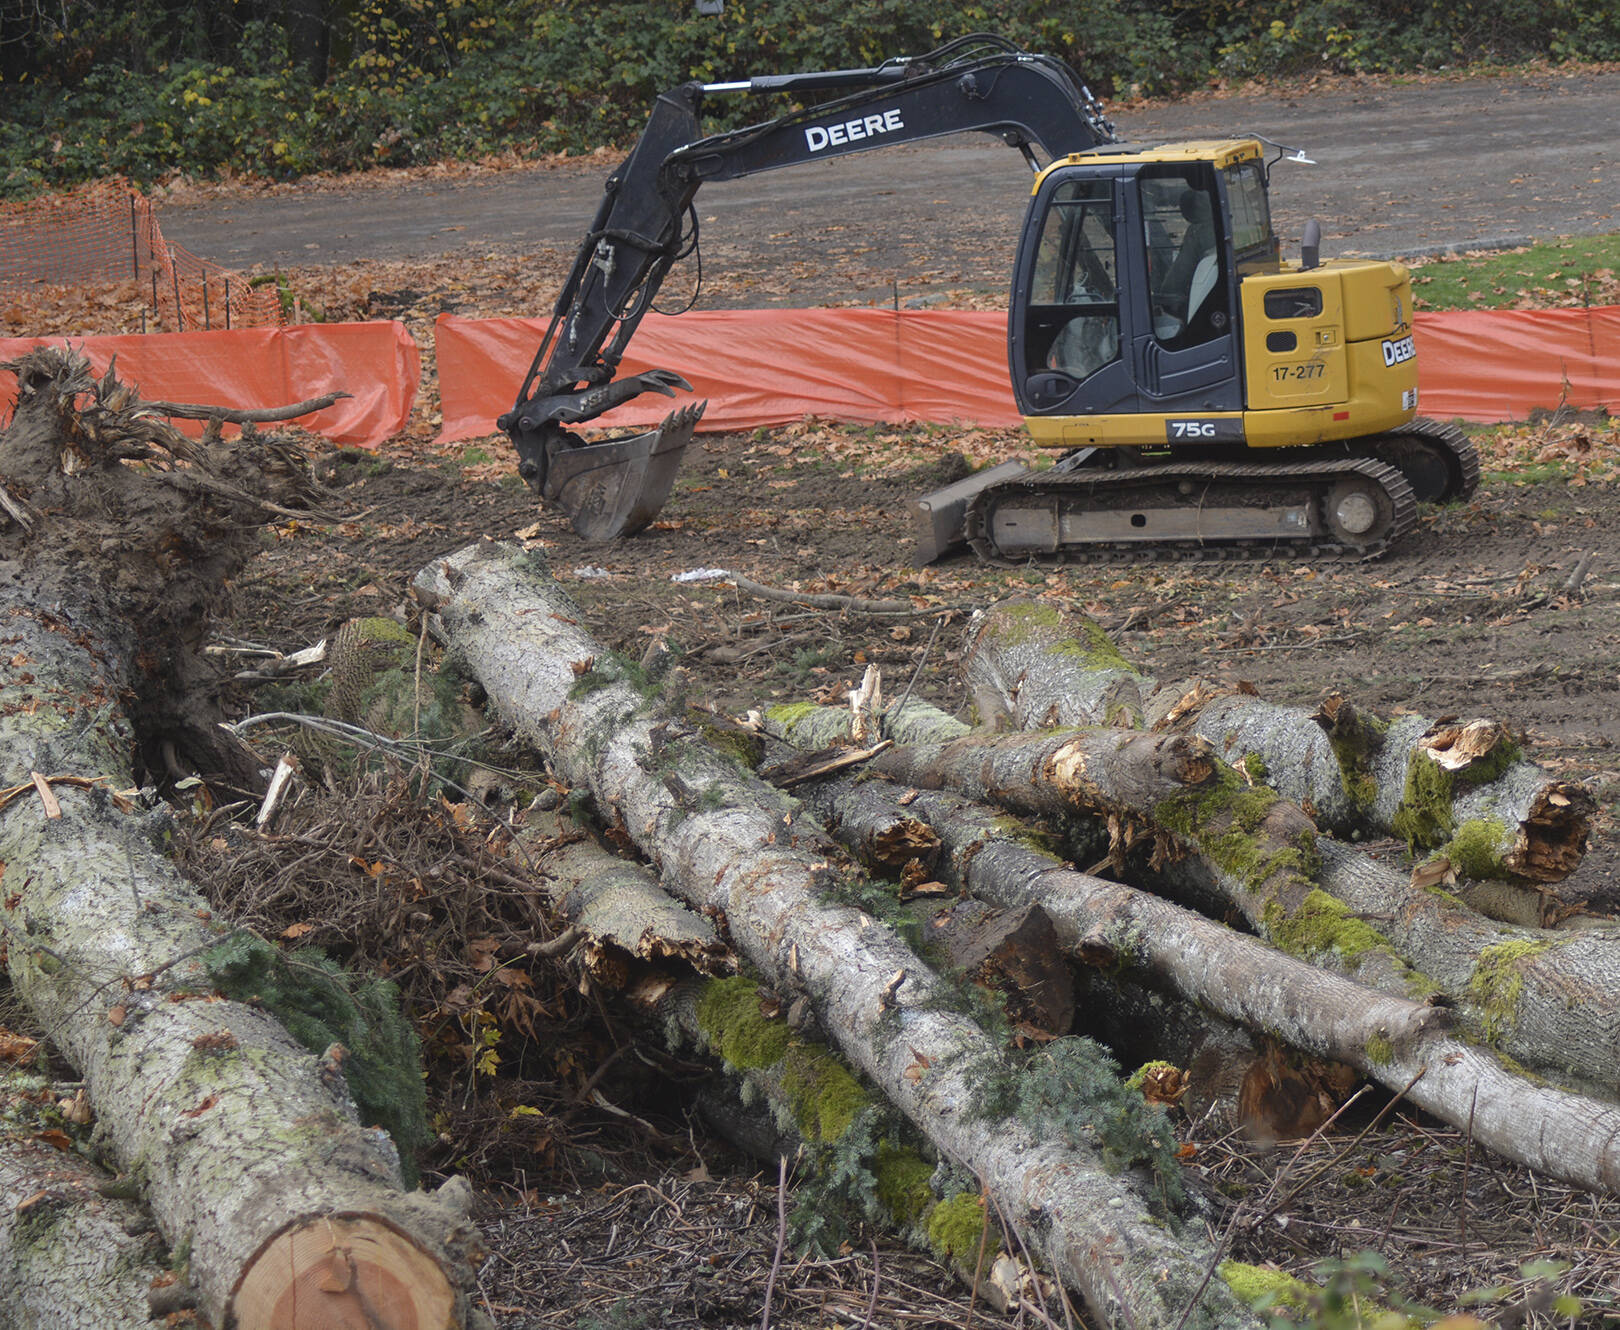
column 767, row 367
column 111, row 235
column 256, row 368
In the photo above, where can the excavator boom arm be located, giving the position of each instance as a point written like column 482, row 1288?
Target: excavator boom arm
column 980, row 83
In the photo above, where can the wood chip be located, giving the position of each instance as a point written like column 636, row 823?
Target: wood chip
column 53, row 810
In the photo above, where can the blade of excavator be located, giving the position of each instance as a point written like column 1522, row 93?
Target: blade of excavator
column 614, row 489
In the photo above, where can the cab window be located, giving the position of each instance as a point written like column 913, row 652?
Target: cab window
column 1186, row 288
column 1251, row 210
column 1074, row 277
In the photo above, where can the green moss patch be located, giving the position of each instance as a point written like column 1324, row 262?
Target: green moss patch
column 902, row 1185
column 1424, row 818
column 1355, row 739
column 1225, row 817
column 1073, row 636
column 789, row 714
column 1477, row 847
column 824, row 1095
column 728, row 1013
column 957, row 1226
column 1261, row 1288
column 1498, row 982
column 1321, row 924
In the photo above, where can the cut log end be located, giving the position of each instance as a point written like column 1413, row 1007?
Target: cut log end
column 343, row 1273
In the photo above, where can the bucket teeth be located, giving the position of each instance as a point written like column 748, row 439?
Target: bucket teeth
column 616, row 488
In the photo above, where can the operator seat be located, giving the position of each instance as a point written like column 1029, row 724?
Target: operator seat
column 1193, row 273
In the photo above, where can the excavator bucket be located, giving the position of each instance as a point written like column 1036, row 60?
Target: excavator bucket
column 614, row 489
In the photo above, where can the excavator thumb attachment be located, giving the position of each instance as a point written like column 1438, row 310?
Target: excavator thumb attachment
column 615, row 488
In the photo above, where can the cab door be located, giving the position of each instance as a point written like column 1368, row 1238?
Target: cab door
column 1071, row 329
column 1184, row 353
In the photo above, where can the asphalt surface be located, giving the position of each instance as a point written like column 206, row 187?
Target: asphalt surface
column 1402, row 169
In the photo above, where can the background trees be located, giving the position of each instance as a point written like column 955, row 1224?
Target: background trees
column 90, row 87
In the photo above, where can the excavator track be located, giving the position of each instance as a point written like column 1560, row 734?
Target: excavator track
column 1350, row 508
column 1438, row 460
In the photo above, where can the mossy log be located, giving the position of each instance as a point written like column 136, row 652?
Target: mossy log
column 1548, row 998
column 72, row 1257
column 784, row 1091
column 246, row 1146
column 794, row 1096
column 1387, row 1039
column 1462, row 790
column 724, row 840
column 1182, row 814
column 1108, row 923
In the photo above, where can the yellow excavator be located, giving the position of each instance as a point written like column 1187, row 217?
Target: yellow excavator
column 1209, row 398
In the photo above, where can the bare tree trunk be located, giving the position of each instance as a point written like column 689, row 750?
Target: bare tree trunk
column 1113, row 925
column 71, row 1258
column 723, row 840
column 1462, row 790
column 246, row 1145
column 1240, row 978
column 620, row 911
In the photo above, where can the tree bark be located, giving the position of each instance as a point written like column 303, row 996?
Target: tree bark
column 1110, row 924
column 1461, row 790
column 71, row 1258
column 1387, row 1039
column 724, row 840
column 622, row 912
column 1188, row 815
column 246, row 1153
column 1550, row 1000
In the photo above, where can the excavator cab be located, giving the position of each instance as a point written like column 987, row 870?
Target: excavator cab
column 1151, row 309
column 1125, row 289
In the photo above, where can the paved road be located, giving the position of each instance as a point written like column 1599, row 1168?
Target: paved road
column 1402, row 169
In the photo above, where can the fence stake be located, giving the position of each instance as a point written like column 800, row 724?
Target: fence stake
column 155, row 310
column 227, row 304
column 206, row 323
column 179, row 314
column 134, row 241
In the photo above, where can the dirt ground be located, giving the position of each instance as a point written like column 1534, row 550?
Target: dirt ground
column 1468, row 617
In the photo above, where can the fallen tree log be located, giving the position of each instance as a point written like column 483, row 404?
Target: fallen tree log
column 1405, row 1046
column 1462, row 790
column 1247, row 849
column 1110, row 924
column 71, row 1256
column 244, row 1143
column 790, row 1095
column 723, row 840
column 1549, row 1000
column 621, row 912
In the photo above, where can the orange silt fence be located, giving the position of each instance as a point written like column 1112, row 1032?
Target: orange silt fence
column 110, row 235
column 254, row 368
column 765, row 367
